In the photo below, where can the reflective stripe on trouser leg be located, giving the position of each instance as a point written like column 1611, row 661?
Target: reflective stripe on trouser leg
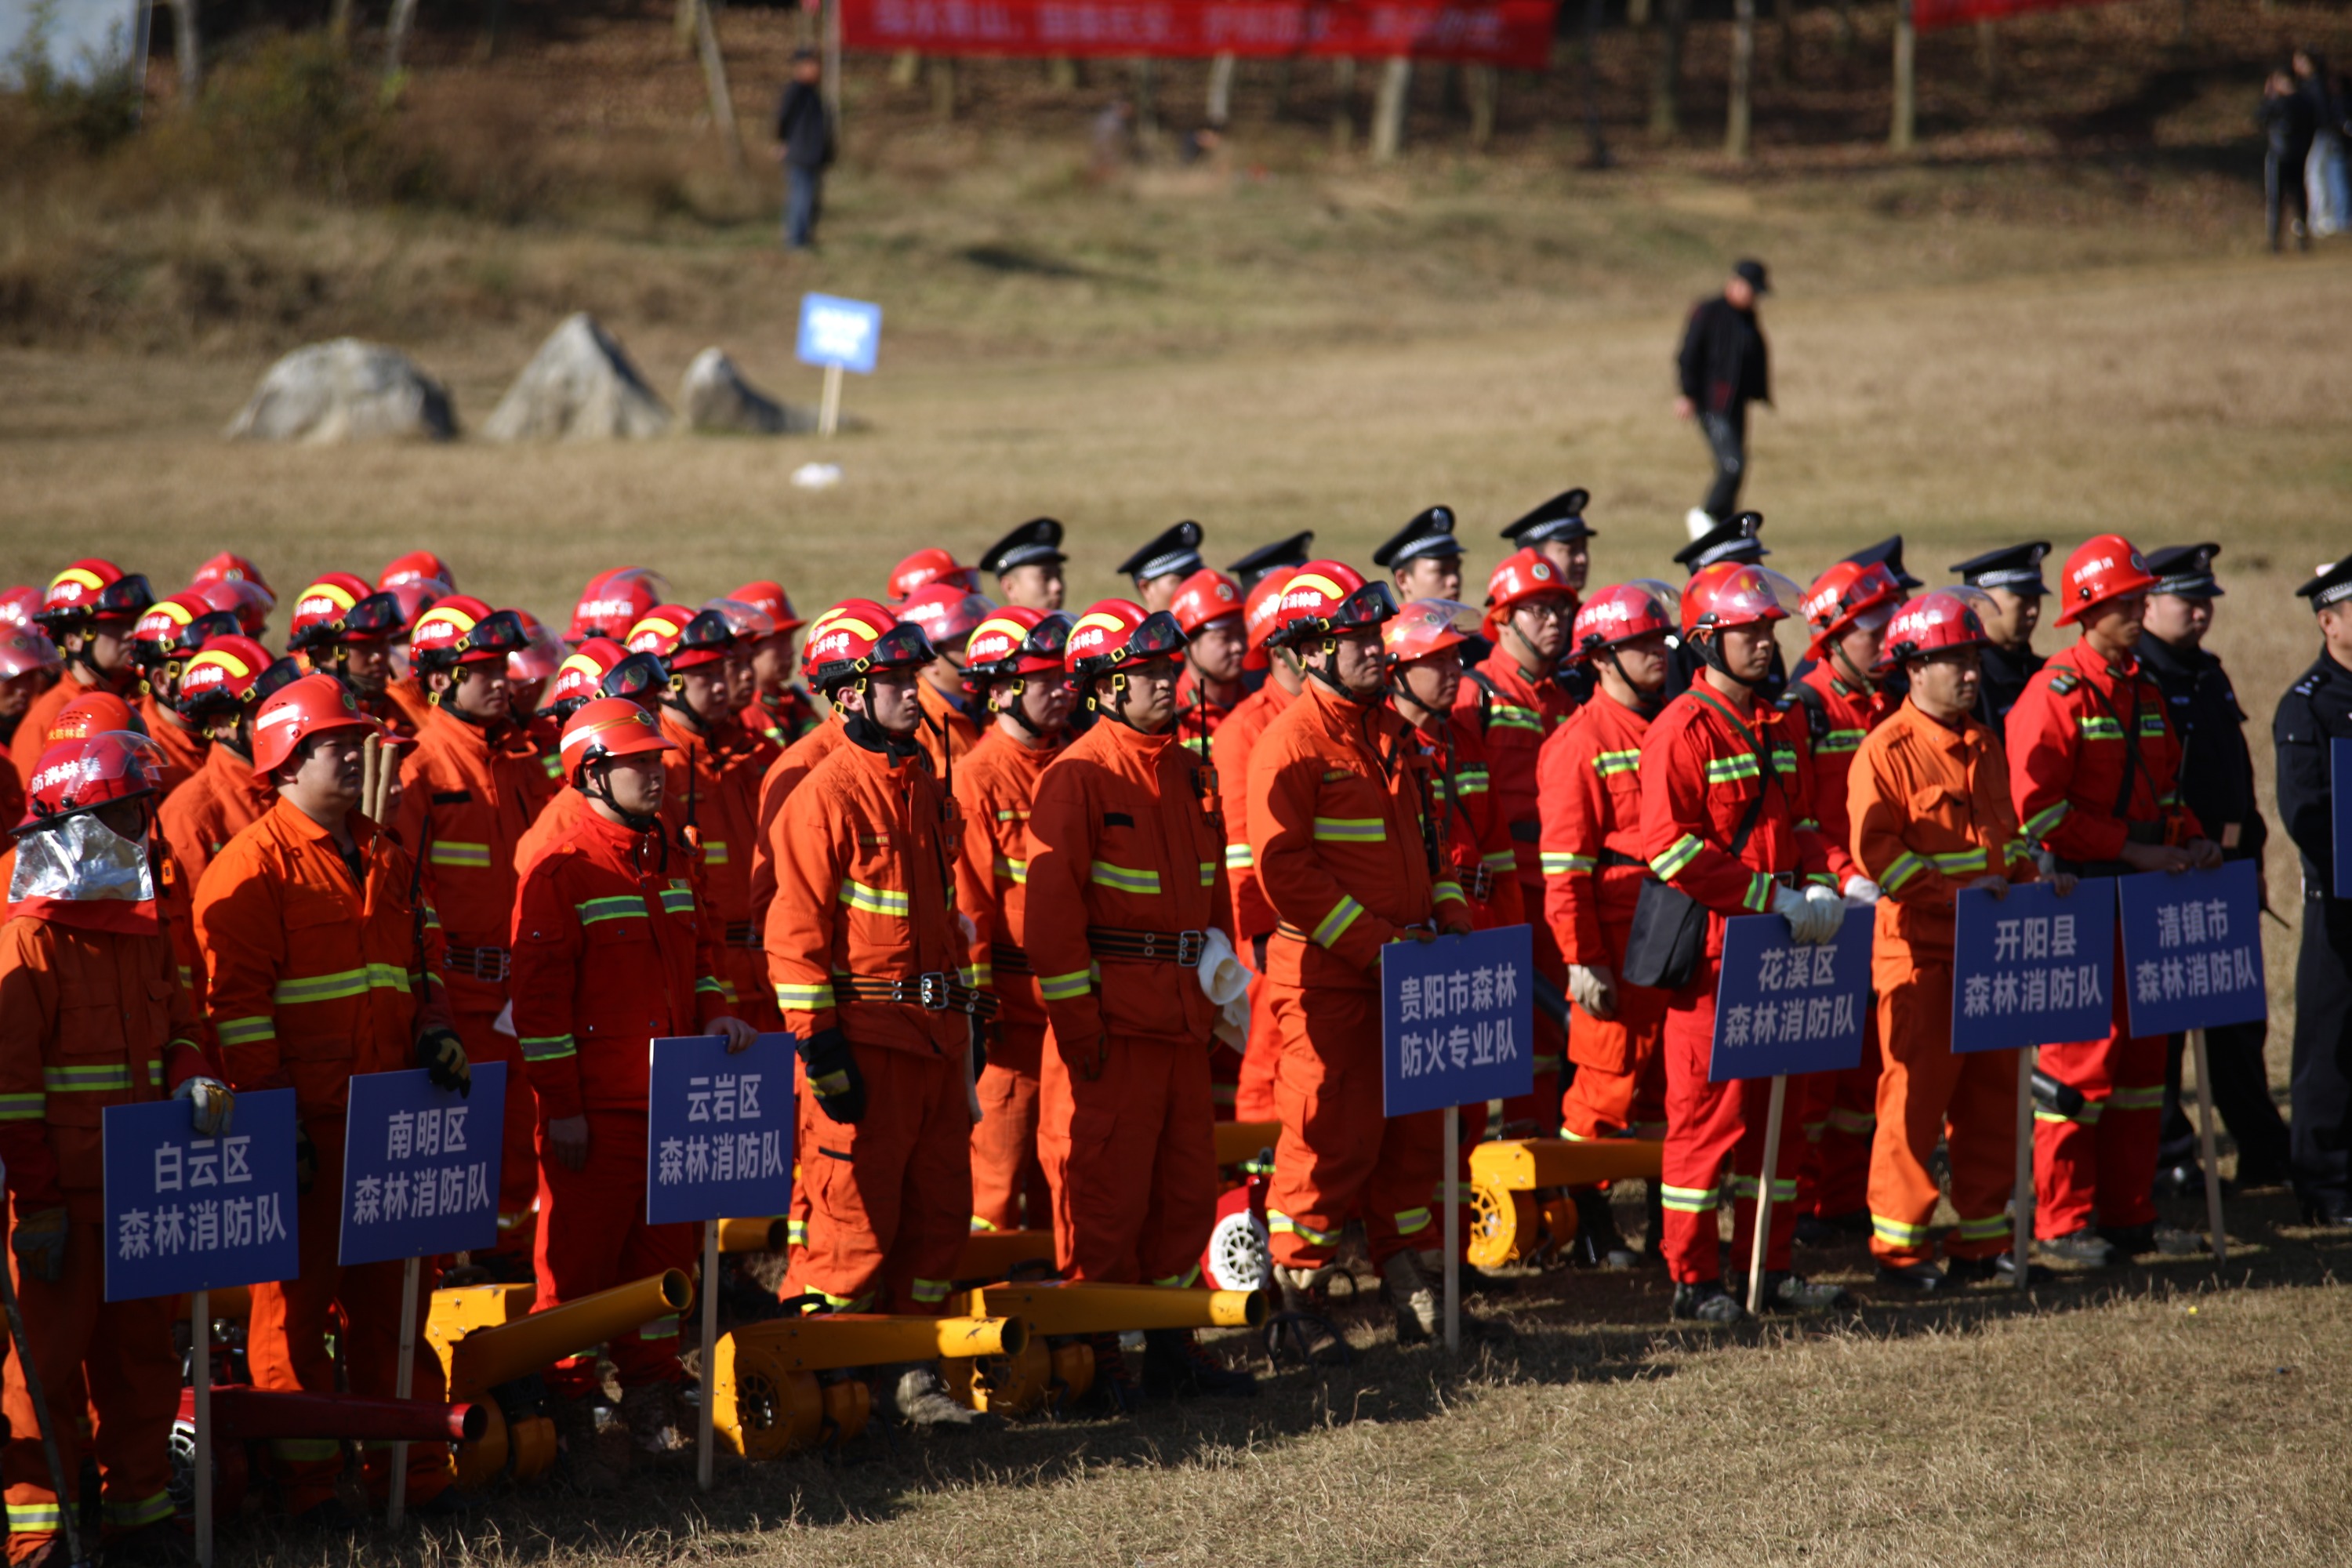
column 889, row 1198
column 1703, row 1124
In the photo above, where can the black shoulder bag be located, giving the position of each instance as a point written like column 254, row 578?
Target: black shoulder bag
column 1669, row 930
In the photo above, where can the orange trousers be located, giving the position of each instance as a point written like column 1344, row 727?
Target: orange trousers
column 121, row 1353
column 472, row 1008
column 1927, row 1091
column 1253, row 1090
column 890, row 1198
column 1132, row 1161
column 1840, row 1119
column 1339, row 1158
column 285, row 1342
column 1008, row 1186
column 1620, row 1087
column 2098, row 1166
column 745, row 969
column 1715, row 1137
column 1536, row 1114
column 592, row 1236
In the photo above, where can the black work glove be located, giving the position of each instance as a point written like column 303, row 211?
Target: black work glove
column 440, row 1052
column 306, row 1160
column 833, row 1076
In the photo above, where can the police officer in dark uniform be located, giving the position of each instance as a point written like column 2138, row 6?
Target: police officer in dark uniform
column 1028, row 565
column 1423, row 557
column 1293, row 552
column 2012, row 578
column 1888, row 553
column 1557, row 532
column 2317, row 709
column 1160, row 568
column 2216, row 781
column 1734, row 539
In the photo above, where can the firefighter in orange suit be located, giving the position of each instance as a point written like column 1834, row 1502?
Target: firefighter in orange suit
column 1015, row 657
column 866, row 953
column 88, row 610
column 218, row 692
column 90, row 1016
column 162, row 642
column 1847, row 610
column 1591, row 780
column 468, row 791
column 949, row 612
column 1209, row 609
column 343, row 627
column 1515, row 701
column 1721, row 813
column 1929, row 797
column 2095, row 770
column 599, row 667
column 1126, row 889
column 321, row 967
column 1423, row 642
column 1229, row 752
column 779, row 712
column 1336, row 802
column 713, row 789
column 800, row 758
column 611, row 951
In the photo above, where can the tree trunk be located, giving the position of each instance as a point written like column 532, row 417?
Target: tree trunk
column 1637, row 14
column 1989, row 54
column 1589, row 67
column 1743, row 80
column 714, row 77
column 1388, row 106
column 1061, row 74
column 1147, row 103
column 683, row 27
column 1220, row 90
column 1841, row 35
column 396, row 36
column 1286, row 71
column 339, row 22
column 1784, row 41
column 188, row 48
column 1903, row 133
column 1485, row 87
column 905, row 67
column 942, row 72
column 1343, row 114
column 1667, row 74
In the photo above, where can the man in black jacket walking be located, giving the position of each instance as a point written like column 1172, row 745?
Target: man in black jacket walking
column 804, row 145
column 1724, row 367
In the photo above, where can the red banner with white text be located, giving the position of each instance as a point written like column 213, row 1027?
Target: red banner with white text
column 1515, row 33
column 1927, row 15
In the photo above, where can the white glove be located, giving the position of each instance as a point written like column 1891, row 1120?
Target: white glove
column 209, row 1104
column 1594, row 988
column 1829, row 913
column 1861, row 893
column 1789, row 904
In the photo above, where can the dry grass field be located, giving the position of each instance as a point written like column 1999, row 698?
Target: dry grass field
column 1970, row 350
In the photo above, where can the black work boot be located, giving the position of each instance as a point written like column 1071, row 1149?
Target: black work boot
column 1598, row 1243
column 1175, row 1366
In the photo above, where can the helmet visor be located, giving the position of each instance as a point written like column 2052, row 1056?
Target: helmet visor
column 494, row 637
column 903, row 647
column 1158, row 636
column 1369, row 605
column 634, row 676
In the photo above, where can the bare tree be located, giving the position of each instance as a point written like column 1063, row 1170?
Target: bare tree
column 188, row 48
column 1667, row 74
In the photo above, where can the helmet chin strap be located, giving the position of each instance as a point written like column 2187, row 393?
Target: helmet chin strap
column 1647, row 701
column 1324, row 673
column 1711, row 654
column 600, row 787
column 1018, row 710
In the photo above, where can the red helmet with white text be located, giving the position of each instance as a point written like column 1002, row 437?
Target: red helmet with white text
column 1327, row 596
column 2102, row 568
column 1620, row 613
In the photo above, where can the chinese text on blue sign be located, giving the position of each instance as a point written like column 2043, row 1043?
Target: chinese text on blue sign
column 2192, row 949
column 1457, row 1016
column 2031, row 968
column 421, row 1165
column 718, row 1128
column 833, row 330
column 184, row 1213
column 1782, row 1008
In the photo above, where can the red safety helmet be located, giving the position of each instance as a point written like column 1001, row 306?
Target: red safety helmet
column 605, row 728
column 748, row 621
column 86, row 772
column 2106, row 567
column 24, row 650
column 415, row 596
column 1620, row 613
column 18, row 605
column 947, row 612
column 615, row 601
column 1327, row 596
column 341, row 607
column 418, row 566
column 858, row 636
column 1424, row 627
column 91, row 713
column 1843, row 596
column 771, row 600
column 462, row 630
column 229, row 567
column 540, row 656
column 162, row 633
column 1520, row 576
column 1259, row 607
column 227, row 673
column 925, row 567
column 1206, row 595
column 602, row 667
column 683, row 638
column 314, row 705
column 1115, row 633
column 94, row 590
column 248, row 601
column 1932, row 623
column 1737, row 594
column 1016, row 641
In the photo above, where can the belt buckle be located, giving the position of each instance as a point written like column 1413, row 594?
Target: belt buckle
column 1189, row 945
column 933, row 991
column 1482, row 882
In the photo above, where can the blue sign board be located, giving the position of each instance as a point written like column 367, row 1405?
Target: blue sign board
column 184, row 1213
column 1783, row 1008
column 2031, row 968
column 718, row 1128
column 833, row 330
column 421, row 1165
column 2339, row 809
column 1457, row 1020
column 2192, row 949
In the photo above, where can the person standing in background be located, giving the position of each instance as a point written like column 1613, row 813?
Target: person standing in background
column 2288, row 125
column 805, row 147
column 1723, row 367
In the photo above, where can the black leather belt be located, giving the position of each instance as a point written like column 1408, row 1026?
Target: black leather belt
column 937, row 992
column 744, row 934
column 1177, row 947
column 1619, row 857
column 1007, row 959
column 491, row 963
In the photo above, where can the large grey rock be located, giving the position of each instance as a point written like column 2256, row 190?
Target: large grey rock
column 580, row 386
column 345, row 391
column 715, row 400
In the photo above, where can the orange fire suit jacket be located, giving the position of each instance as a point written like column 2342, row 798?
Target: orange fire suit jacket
column 183, row 748
column 863, row 891
column 225, row 798
column 2068, row 757
column 1591, row 779
column 946, row 733
column 33, row 729
column 713, row 778
column 1515, row 717
column 408, row 697
column 1336, row 799
column 1931, row 813
column 783, row 718
column 1836, row 719
column 467, row 795
column 1124, row 843
column 776, row 785
column 611, row 951
column 1199, row 716
column 1475, row 850
column 398, row 716
column 312, row 976
column 1699, row 776
column 89, row 1018
column 1229, row 752
column 994, row 790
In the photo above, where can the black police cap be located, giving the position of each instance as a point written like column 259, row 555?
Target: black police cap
column 1888, row 552
column 2185, row 571
column 1559, row 520
column 2016, row 567
column 1037, row 543
column 1176, row 550
column 1428, row 536
column 2333, row 586
column 1265, row 558
column 1732, row 541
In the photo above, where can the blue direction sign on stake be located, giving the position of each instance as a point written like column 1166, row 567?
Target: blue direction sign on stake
column 2032, row 968
column 1783, row 1008
column 184, row 1213
column 2192, row 949
column 1457, row 1020
column 718, row 1128
column 421, row 1165
column 837, row 331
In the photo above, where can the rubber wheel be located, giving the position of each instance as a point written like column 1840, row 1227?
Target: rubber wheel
column 1502, row 1226
column 1238, row 1253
